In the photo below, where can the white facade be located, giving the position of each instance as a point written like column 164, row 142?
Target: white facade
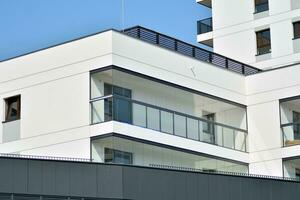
column 235, row 24
column 56, row 88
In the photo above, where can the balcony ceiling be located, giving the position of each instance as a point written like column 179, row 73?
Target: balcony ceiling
column 206, row 3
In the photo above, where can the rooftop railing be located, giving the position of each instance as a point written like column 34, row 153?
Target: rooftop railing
column 187, row 49
column 204, row 26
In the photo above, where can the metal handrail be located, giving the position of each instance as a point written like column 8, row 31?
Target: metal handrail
column 241, row 146
column 190, row 50
column 168, row 110
column 9, row 155
column 171, row 167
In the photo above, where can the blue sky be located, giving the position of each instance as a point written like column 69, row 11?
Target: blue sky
column 28, row 25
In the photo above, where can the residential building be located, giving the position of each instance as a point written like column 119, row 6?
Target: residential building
column 262, row 33
column 142, row 98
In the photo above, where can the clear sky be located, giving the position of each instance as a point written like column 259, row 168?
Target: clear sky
column 28, row 25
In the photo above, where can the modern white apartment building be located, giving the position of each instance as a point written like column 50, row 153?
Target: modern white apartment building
column 262, row 33
column 143, row 98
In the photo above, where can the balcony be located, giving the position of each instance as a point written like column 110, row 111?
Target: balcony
column 204, row 26
column 121, row 109
column 206, row 3
column 290, row 121
column 204, row 30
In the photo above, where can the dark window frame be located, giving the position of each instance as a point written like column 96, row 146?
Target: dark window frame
column 260, row 46
column 261, row 6
column 296, row 25
column 113, row 153
column 9, row 101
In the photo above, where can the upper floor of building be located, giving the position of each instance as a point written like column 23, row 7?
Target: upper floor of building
column 262, row 33
column 153, row 88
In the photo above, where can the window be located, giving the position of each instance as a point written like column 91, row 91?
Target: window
column 296, row 30
column 121, row 108
column 296, row 127
column 117, row 157
column 208, row 127
column 261, row 5
column 263, row 40
column 12, row 108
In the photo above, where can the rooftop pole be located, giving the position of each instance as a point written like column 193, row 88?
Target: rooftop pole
column 123, row 15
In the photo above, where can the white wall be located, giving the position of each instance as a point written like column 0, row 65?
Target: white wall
column 235, row 25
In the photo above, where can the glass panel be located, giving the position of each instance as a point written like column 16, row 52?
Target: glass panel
column 180, row 125
column 291, row 135
column 97, row 112
column 122, row 110
column 291, row 168
column 263, row 41
column 192, row 129
column 297, row 30
column 207, row 131
column 153, row 118
column 228, row 137
column 139, row 115
column 240, row 141
column 261, row 5
column 166, row 122
column 108, row 106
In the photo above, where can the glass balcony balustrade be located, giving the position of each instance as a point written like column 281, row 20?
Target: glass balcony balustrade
column 204, row 26
column 126, row 110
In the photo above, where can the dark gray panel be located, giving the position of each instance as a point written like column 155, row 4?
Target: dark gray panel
column 109, row 181
column 75, row 179
column 48, row 177
column 20, row 176
column 6, row 174
column 62, row 178
column 35, row 177
column 203, row 186
column 192, row 186
column 89, row 180
column 180, row 185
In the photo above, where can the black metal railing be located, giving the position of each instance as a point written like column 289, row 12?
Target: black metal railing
column 9, row 155
column 204, row 26
column 144, row 115
column 223, row 172
column 190, row 50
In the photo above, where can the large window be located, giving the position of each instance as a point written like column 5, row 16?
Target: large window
column 261, row 5
column 263, row 41
column 117, row 157
column 12, row 108
column 290, row 121
column 291, row 168
column 114, row 149
column 296, row 30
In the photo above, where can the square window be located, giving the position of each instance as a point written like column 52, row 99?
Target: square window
column 261, row 6
column 263, row 40
column 296, row 30
column 12, row 108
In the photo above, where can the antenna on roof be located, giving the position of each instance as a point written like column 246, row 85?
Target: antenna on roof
column 123, row 15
